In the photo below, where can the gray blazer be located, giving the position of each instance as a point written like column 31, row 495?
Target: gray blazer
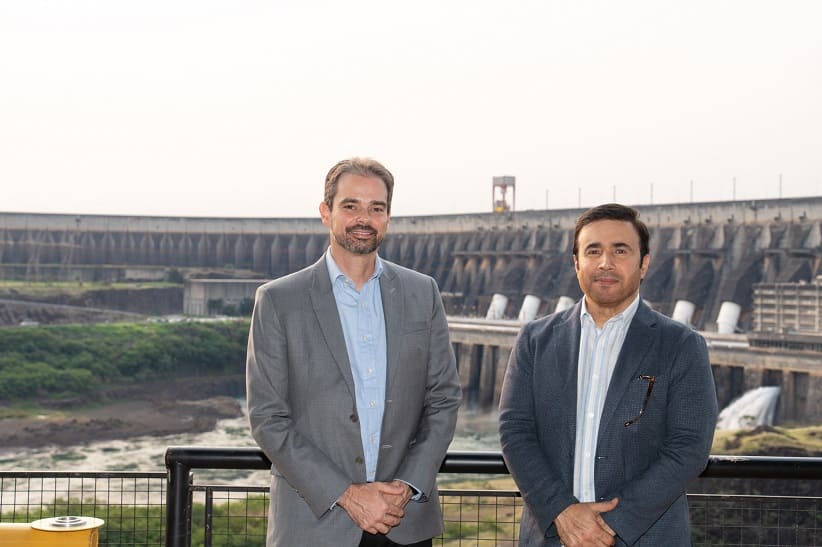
column 647, row 465
column 303, row 414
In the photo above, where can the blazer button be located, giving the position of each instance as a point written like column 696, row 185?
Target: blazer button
column 358, row 459
column 354, row 418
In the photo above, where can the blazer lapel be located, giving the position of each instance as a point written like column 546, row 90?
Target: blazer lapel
column 566, row 369
column 393, row 311
column 638, row 341
column 567, row 357
column 325, row 309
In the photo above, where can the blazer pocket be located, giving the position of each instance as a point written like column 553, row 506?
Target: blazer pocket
column 412, row 327
column 644, row 403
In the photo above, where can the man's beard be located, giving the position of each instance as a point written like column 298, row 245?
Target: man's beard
column 359, row 246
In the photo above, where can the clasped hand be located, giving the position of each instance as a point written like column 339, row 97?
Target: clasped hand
column 582, row 525
column 376, row 507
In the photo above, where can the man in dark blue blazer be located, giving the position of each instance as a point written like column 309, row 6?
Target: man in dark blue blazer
column 608, row 409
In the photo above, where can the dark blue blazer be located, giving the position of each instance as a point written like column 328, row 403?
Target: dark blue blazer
column 647, row 464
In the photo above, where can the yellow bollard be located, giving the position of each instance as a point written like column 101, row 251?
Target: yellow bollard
column 52, row 532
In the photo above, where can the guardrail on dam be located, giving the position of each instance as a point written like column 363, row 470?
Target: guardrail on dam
column 702, row 254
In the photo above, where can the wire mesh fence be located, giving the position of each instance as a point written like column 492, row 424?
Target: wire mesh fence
column 483, row 518
column 490, row 518
column 133, row 508
column 221, row 514
column 763, row 521
column 131, row 504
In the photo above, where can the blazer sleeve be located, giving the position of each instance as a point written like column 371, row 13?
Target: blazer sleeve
column 544, row 489
column 440, row 406
column 690, row 422
column 306, row 468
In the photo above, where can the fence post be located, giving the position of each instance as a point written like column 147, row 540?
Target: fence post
column 177, row 519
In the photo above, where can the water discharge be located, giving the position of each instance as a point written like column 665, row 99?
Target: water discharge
column 753, row 408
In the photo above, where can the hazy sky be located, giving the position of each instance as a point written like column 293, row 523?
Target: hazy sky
column 239, row 108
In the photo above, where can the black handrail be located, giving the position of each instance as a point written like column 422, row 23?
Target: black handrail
column 180, row 460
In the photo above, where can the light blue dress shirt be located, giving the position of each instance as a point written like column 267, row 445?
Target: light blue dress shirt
column 598, row 353
column 363, row 324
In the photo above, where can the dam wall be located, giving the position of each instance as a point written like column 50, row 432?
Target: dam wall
column 701, row 253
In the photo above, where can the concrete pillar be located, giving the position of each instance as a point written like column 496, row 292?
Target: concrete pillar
column 474, row 377
column 563, row 303
column 497, row 308
column 683, row 312
column 800, row 381
column 736, row 383
column 787, row 400
column 813, row 400
column 728, row 317
column 752, row 378
column 488, row 377
column 464, row 368
column 529, row 309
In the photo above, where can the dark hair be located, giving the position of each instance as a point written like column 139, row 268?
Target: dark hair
column 614, row 211
column 365, row 167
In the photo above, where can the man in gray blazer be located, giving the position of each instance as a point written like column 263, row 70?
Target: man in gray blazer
column 607, row 409
column 351, row 381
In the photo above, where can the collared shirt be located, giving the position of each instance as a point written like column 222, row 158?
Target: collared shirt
column 598, row 353
column 363, row 325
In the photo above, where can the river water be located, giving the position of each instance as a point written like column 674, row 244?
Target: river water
column 145, row 454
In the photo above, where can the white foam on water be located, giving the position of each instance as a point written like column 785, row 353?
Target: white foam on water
column 145, row 454
column 753, row 408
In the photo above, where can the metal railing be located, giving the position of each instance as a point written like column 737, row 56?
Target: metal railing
column 156, row 509
column 491, row 517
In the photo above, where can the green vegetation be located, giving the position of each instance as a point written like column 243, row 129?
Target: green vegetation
column 75, row 360
column 770, row 441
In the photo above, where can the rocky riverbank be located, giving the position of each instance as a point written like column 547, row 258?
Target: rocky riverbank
column 116, row 420
column 187, row 405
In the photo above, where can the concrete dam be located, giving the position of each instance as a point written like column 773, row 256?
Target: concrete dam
column 491, row 266
column 702, row 254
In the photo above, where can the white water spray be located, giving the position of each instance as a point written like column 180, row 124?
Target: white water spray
column 753, row 408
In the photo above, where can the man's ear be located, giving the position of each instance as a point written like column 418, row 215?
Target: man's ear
column 643, row 268
column 325, row 214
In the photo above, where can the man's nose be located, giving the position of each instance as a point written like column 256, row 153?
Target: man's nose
column 606, row 261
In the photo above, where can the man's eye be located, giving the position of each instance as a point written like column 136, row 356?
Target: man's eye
column 593, row 252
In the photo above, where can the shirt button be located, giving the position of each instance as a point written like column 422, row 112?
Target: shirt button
column 590, row 414
column 370, row 371
column 372, row 404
